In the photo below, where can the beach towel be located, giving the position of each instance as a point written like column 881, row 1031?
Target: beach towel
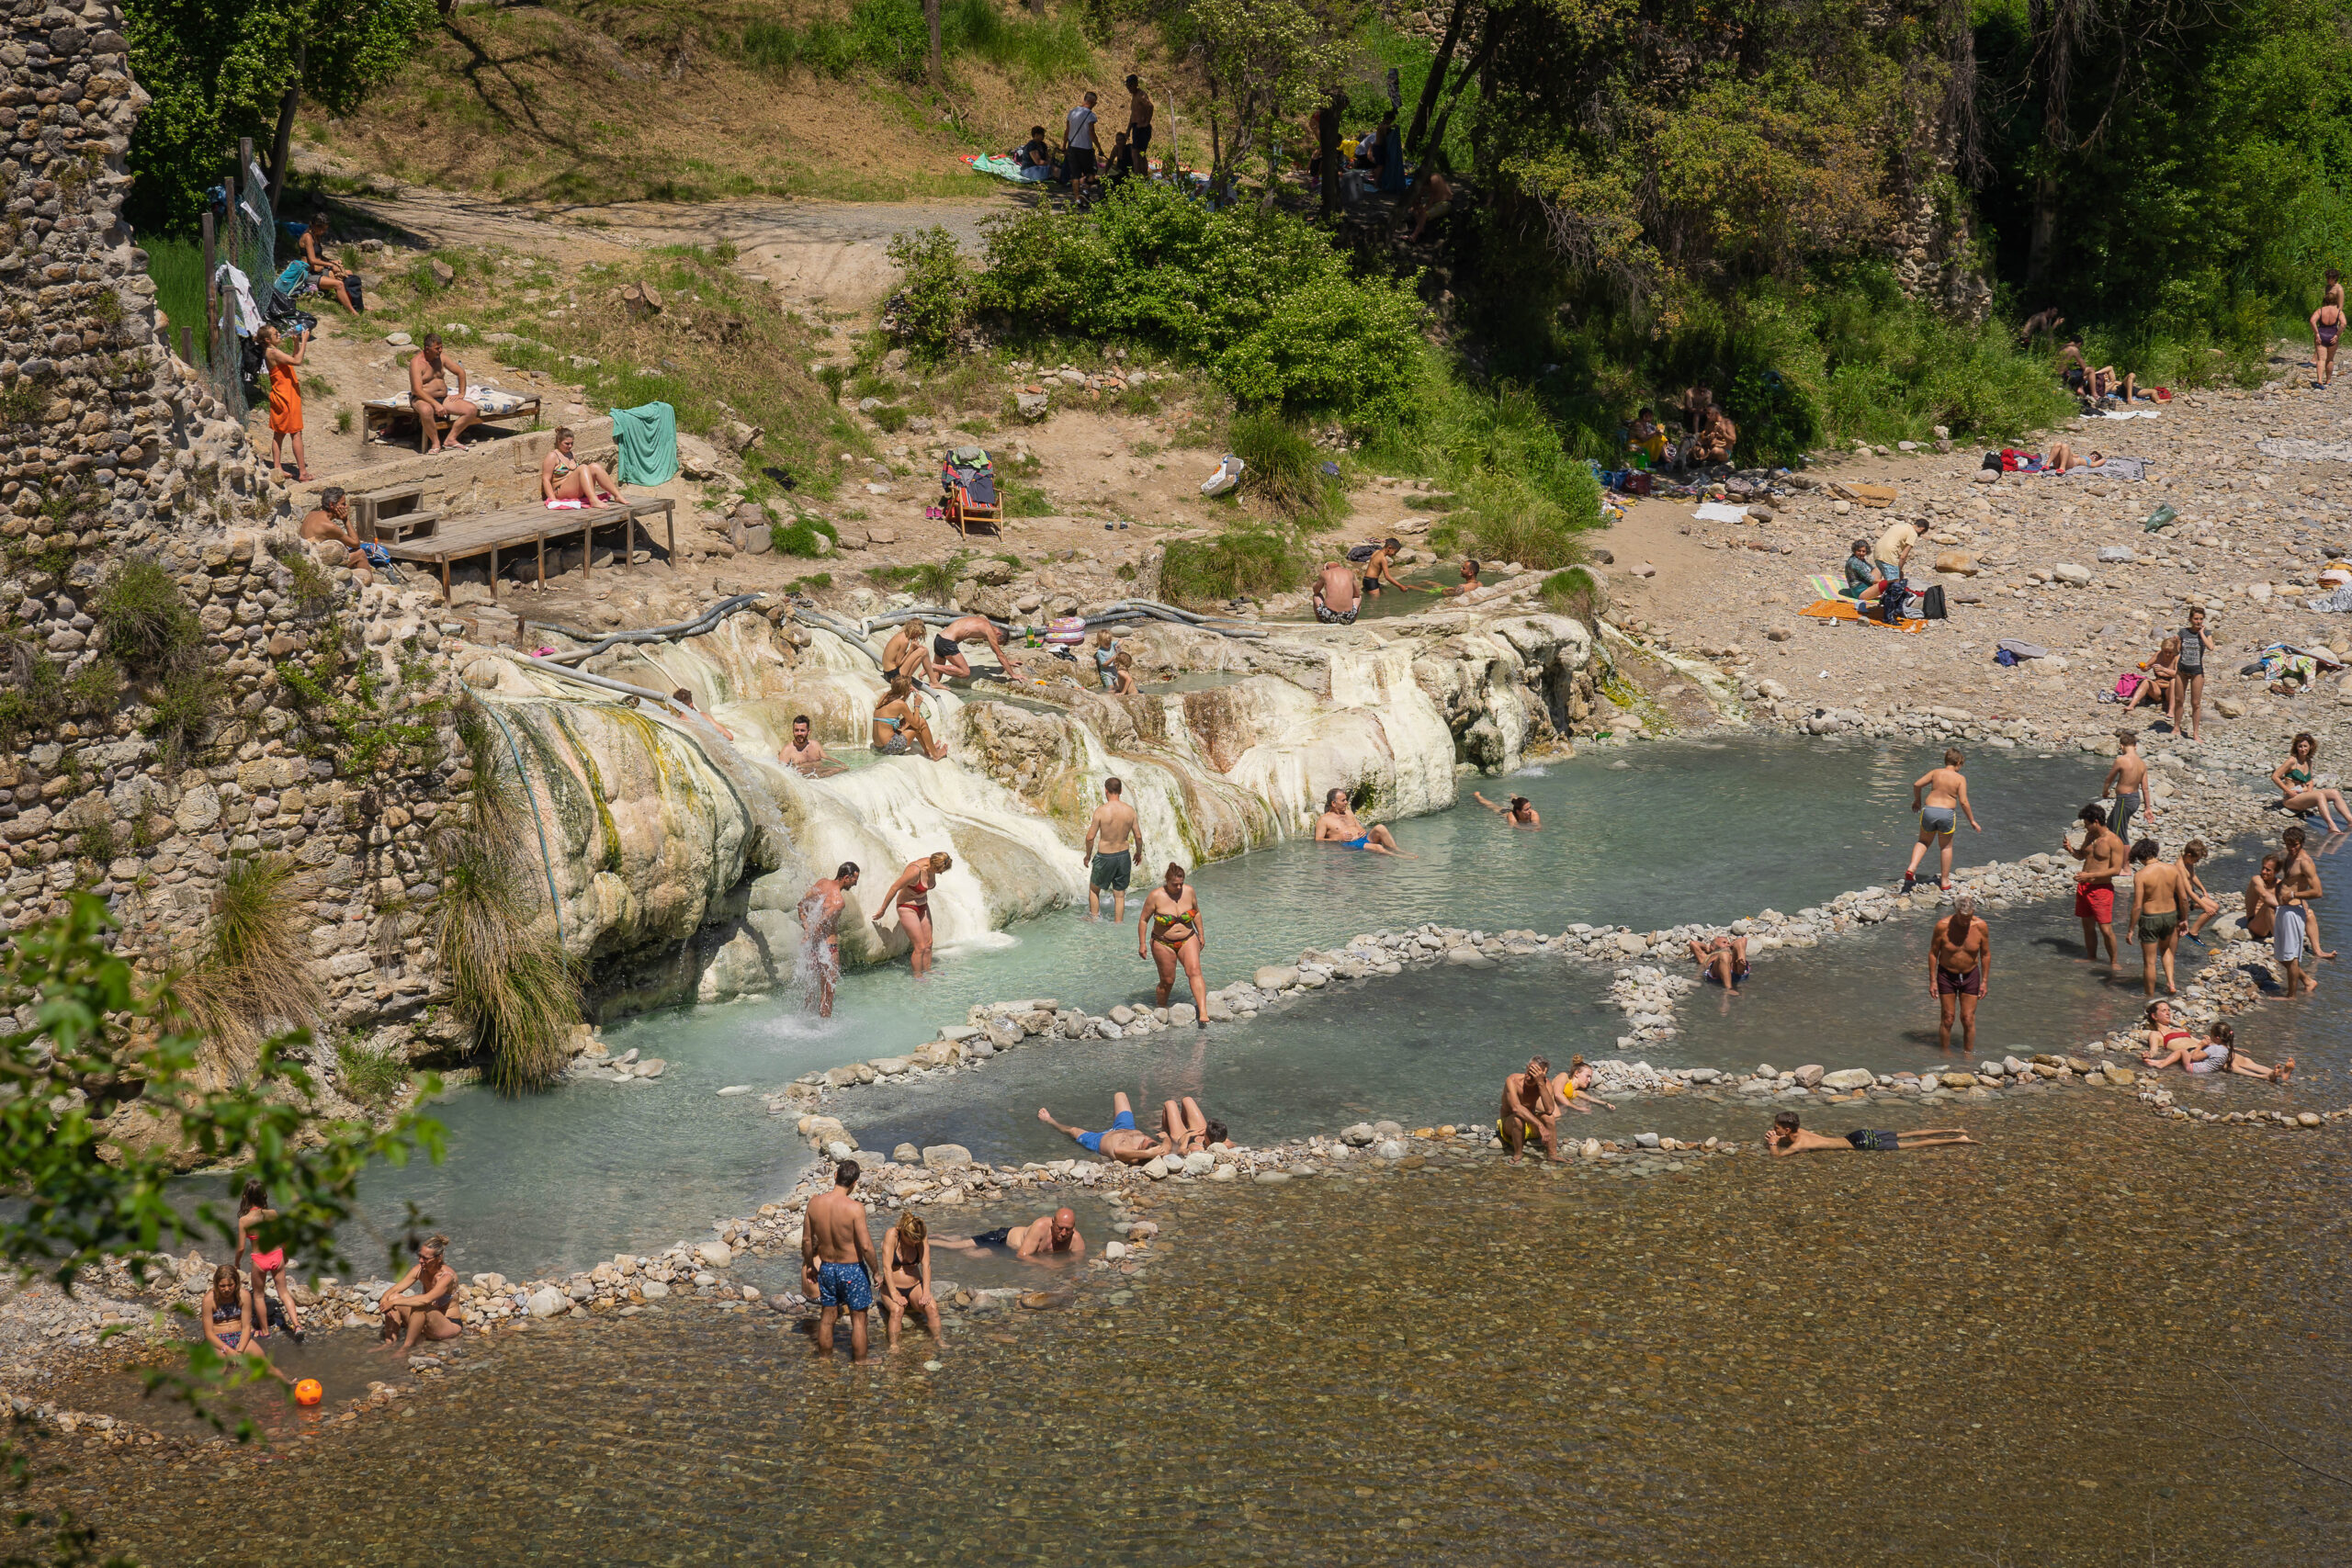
column 1845, row 609
column 241, row 288
column 2021, row 648
column 648, row 444
column 1006, row 168
column 2113, row 469
column 491, row 400
column 1720, row 512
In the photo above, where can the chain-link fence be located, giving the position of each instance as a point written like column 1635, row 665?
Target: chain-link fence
column 244, row 237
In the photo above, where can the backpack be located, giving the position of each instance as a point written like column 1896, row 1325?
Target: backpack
column 1931, row 602
column 1362, row 553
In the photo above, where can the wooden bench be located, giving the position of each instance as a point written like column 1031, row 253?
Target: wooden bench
column 389, row 516
column 530, row 527
column 380, row 415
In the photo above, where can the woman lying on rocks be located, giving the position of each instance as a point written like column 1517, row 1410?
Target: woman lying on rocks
column 1788, row 1138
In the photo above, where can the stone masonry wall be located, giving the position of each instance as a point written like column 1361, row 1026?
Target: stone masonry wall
column 110, row 447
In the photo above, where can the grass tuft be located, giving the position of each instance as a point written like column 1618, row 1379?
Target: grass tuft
column 1285, row 470
column 149, row 626
column 253, row 972
column 1244, row 562
column 373, row 1078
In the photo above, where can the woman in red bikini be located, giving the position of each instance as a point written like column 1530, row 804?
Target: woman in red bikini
column 911, row 895
column 252, row 1212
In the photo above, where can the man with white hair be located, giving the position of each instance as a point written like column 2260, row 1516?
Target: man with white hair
column 1960, row 970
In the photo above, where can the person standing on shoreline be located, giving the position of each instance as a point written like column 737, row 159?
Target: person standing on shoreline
column 2188, row 691
column 837, row 1261
column 1170, row 932
column 2127, row 782
column 1939, row 798
column 820, row 913
column 2298, row 877
column 2154, row 925
column 1959, row 971
column 1109, row 855
column 2102, row 857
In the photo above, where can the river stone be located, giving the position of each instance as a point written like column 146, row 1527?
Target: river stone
column 1390, row 1149
column 945, row 1156
column 1276, row 976
column 1388, row 1130
column 838, row 1151
column 1757, row 1087
column 1631, row 943
column 734, row 1088
column 907, row 1153
column 1469, row 958
column 1114, row 1250
column 654, row 1290
column 1157, row 1168
column 548, row 1302
column 1810, row 1075
column 1357, row 1136
column 1181, row 1013
column 714, row 1254
column 2121, row 1075
column 1957, row 1080
column 1849, row 1077
column 1589, row 1148
column 2307, row 1119
column 891, row 1067
column 1273, row 1178
column 1122, row 1015
column 1223, row 1173
column 1646, row 1140
column 1991, row 1069
column 1198, row 1161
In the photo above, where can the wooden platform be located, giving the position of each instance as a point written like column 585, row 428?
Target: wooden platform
column 529, row 528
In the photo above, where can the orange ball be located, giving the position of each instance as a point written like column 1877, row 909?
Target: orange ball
column 308, row 1392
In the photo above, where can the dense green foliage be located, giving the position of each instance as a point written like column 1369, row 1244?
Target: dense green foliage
column 1243, row 562
column 892, row 36
column 1261, row 299
column 220, row 68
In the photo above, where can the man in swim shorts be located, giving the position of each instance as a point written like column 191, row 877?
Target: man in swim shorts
column 1113, row 839
column 1055, row 1232
column 1788, row 1138
column 1337, row 599
column 837, row 1261
column 1959, row 971
column 2102, row 857
column 2299, row 876
column 1338, row 825
column 1121, row 1141
column 2128, row 782
column 2157, row 893
column 820, row 913
column 1722, row 958
column 2290, row 935
column 806, row 755
column 948, row 647
column 1940, row 797
column 1380, row 570
column 1530, row 1109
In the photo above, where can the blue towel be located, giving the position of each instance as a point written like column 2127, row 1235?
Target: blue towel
column 648, row 444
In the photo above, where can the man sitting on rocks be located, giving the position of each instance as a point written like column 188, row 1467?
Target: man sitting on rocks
column 1717, row 436
column 1530, row 1109
column 1055, row 1234
column 1338, row 825
column 331, row 519
column 1788, row 1138
column 1120, row 1140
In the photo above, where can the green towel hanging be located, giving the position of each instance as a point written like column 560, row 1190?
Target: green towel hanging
column 648, row 444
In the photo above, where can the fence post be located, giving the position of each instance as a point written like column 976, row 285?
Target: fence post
column 187, row 345
column 210, row 308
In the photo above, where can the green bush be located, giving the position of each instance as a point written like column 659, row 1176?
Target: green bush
column 1241, row 562
column 1045, row 50
column 370, row 1078
column 1260, row 298
column 183, row 710
column 934, row 296
column 1285, row 469
column 149, row 626
column 800, row 539
column 1520, row 495
column 889, row 417
column 1577, row 592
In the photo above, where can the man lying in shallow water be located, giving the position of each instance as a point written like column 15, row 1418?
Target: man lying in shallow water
column 1122, row 1140
column 1054, row 1233
column 1788, row 1138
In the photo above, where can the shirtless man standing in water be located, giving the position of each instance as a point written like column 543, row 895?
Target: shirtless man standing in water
column 1109, row 856
column 2157, row 895
column 1335, row 598
column 1940, row 797
column 2102, row 857
column 820, row 916
column 1530, row 1108
column 1959, row 971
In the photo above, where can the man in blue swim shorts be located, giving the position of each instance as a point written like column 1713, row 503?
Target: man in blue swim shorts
column 837, row 1261
column 1338, row 825
column 1940, row 797
column 1121, row 1141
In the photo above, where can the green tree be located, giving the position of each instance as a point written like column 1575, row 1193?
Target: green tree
column 1268, row 62
column 100, row 1084
column 218, row 69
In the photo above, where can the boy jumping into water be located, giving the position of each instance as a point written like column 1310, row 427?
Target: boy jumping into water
column 1788, row 1138
column 1939, row 798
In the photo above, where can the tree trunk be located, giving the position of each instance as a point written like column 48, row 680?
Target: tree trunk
column 281, row 145
column 1327, row 149
column 1437, row 75
column 930, row 15
column 1469, row 73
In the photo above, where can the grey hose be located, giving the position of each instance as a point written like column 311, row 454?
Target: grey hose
column 695, row 627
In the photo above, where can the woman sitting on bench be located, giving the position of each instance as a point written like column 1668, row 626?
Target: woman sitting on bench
column 564, row 476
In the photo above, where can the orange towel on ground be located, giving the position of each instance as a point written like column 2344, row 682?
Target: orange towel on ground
column 285, row 402
column 1844, row 610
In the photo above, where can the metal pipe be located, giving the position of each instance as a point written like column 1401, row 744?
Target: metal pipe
column 703, row 623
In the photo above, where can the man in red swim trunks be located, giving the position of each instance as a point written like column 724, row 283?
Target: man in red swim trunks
column 2102, row 856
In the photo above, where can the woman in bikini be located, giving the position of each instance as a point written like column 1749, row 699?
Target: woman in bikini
column 898, row 727
column 2327, row 322
column 911, row 895
column 2296, row 791
column 328, row 276
column 228, row 1312
column 564, row 476
column 2163, row 676
column 429, row 1310
column 2169, row 1045
column 905, row 1277
column 1573, row 1088
column 1170, row 933
column 252, row 1212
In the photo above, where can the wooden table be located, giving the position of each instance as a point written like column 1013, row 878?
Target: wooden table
column 518, row 527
